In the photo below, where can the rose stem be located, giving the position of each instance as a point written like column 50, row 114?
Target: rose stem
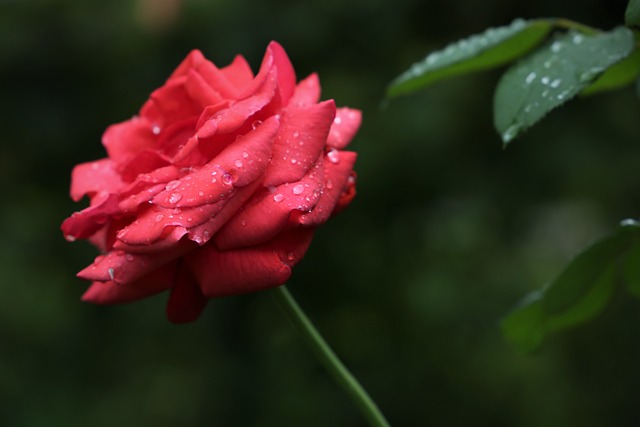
column 328, row 358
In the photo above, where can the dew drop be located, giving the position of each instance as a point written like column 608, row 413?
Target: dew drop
column 272, row 189
column 69, row 238
column 245, row 154
column 112, row 273
column 238, row 163
column 545, row 80
column 511, row 133
column 298, row 189
column 159, row 217
column 129, row 257
column 294, row 161
column 296, row 134
column 556, row 46
column 255, row 124
column 329, row 184
column 243, row 222
column 122, row 233
column 291, row 256
column 227, row 179
column 530, row 77
column 206, row 234
column 201, row 193
column 156, row 130
column 175, row 197
column 172, row 185
column 333, row 156
column 278, row 198
column 337, row 120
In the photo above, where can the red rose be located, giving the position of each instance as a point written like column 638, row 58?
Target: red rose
column 216, row 187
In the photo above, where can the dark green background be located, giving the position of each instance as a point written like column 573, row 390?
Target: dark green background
column 448, row 230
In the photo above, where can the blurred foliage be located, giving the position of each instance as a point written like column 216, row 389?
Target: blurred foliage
column 408, row 284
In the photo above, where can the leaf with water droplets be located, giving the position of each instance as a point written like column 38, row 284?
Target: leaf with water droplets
column 552, row 75
column 579, row 293
column 492, row 48
column 632, row 14
column 619, row 75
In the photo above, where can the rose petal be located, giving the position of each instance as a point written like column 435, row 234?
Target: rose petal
column 186, row 300
column 248, row 269
column 239, row 74
column 299, row 143
column 307, row 92
column 193, row 60
column 268, row 211
column 173, row 103
column 201, row 90
column 111, row 293
column 242, row 162
column 92, row 177
column 344, row 127
column 126, row 139
column 87, row 222
column 286, row 73
column 336, row 180
column 121, row 267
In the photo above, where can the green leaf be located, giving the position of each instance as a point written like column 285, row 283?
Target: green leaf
column 580, row 292
column 632, row 14
column 619, row 75
column 631, row 268
column 492, row 48
column 552, row 75
column 582, row 273
column 524, row 326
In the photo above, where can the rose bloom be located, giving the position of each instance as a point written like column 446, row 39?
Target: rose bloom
column 216, row 187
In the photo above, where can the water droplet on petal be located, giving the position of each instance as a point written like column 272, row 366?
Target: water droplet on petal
column 206, row 234
column 129, row 257
column 238, row 163
column 69, row 238
column 159, row 217
column 245, row 154
column 329, row 184
column 175, row 197
column 333, row 156
column 112, row 272
column 278, row 198
column 201, row 193
column 122, row 233
column 227, row 179
column 255, row 124
column 337, row 120
column 298, row 189
column 155, row 129
column 243, row 222
column 291, row 256
column 296, row 134
column 172, row 185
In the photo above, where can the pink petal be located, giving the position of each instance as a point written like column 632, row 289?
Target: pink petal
column 126, row 139
column 201, row 90
column 122, row 268
column 344, row 127
column 337, row 176
column 93, row 177
column 241, row 163
column 193, row 60
column 111, row 293
column 143, row 162
column 248, row 269
column 219, row 80
column 299, row 143
column 307, row 92
column 87, row 222
column 238, row 73
column 173, row 102
column 267, row 213
column 286, row 73
column 232, row 118
column 186, row 300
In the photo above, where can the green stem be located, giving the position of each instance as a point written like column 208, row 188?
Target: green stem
column 328, row 358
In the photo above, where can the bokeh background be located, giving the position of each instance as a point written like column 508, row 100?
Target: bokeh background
column 408, row 285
